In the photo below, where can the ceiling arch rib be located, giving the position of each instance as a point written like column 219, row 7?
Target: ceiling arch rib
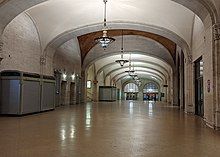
column 162, row 13
column 126, row 67
column 148, row 71
column 135, row 57
column 86, row 45
column 132, row 43
column 150, row 74
column 62, row 38
column 200, row 7
column 114, row 65
column 121, row 70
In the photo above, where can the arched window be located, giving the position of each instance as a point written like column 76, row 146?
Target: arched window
column 151, row 88
column 131, row 88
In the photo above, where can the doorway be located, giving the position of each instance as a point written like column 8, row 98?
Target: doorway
column 150, row 97
column 131, row 91
column 199, row 96
column 63, row 93
column 72, row 93
column 151, row 92
column 131, row 96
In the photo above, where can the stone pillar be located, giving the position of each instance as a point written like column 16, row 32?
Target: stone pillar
column 181, row 79
column 83, row 87
column 95, row 91
column 78, row 89
column 169, row 88
column 175, row 83
column 1, row 50
column 216, row 83
column 189, row 90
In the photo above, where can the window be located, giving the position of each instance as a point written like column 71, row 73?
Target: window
column 150, row 88
column 131, row 88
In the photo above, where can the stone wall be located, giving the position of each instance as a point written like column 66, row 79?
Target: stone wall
column 67, row 61
column 21, row 46
column 202, row 47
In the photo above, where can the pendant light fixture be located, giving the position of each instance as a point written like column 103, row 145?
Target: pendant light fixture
column 122, row 61
column 104, row 40
column 130, row 71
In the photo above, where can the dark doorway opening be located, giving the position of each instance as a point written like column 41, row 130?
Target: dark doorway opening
column 131, row 96
column 199, row 96
column 72, row 93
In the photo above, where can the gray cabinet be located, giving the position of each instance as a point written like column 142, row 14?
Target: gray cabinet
column 107, row 93
column 25, row 93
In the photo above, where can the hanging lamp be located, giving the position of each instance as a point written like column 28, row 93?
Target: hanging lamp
column 104, row 40
column 130, row 71
column 122, row 61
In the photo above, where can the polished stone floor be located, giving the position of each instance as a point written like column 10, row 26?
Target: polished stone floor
column 122, row 129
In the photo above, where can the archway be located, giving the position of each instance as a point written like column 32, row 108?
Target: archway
column 151, row 92
column 131, row 91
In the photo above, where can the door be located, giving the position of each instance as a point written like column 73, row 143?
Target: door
column 199, row 105
column 131, row 96
column 72, row 94
column 63, row 93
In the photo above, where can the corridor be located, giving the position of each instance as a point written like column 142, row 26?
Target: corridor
column 109, row 129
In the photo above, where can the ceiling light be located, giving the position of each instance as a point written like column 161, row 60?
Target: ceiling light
column 122, row 61
column 73, row 76
column 104, row 40
column 64, row 76
column 133, row 76
column 129, row 71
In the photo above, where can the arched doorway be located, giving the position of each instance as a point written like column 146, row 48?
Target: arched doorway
column 131, row 91
column 151, row 92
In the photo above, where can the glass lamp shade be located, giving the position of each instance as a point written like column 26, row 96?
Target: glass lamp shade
column 104, row 41
column 122, row 62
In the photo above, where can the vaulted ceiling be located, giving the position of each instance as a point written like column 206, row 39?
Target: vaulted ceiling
column 153, row 28
column 86, row 41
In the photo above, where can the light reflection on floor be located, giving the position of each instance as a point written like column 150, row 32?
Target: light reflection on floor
column 108, row 129
column 150, row 108
column 131, row 105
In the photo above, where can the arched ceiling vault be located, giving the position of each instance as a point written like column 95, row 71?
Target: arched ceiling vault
column 114, row 65
column 86, row 45
column 108, row 63
column 146, row 75
column 140, row 62
column 137, row 71
column 12, row 8
column 126, row 68
column 136, row 45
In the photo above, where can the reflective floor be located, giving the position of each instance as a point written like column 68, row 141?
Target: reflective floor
column 122, row 129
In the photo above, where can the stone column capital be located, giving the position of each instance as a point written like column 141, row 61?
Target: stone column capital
column 43, row 60
column 216, row 31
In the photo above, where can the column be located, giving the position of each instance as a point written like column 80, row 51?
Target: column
column 216, row 73
column 175, row 88
column 1, row 50
column 189, row 87
column 95, row 91
column 83, row 87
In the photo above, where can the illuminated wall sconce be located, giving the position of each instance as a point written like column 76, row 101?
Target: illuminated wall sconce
column 73, row 77
column 64, row 76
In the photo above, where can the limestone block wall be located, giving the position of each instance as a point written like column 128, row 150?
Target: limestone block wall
column 21, row 46
column 202, row 47
column 67, row 60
